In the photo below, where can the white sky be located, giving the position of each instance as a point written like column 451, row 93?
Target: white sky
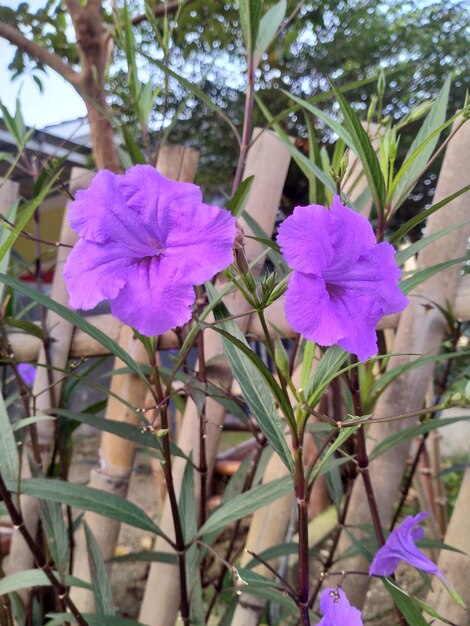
column 58, row 102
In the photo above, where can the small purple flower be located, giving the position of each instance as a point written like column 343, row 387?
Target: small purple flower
column 343, row 281
column 27, row 371
column 400, row 546
column 145, row 241
column 336, row 609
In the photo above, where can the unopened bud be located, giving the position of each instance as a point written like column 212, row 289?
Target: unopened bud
column 372, row 108
column 381, row 84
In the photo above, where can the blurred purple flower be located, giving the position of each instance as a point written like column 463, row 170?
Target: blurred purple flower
column 400, row 546
column 145, row 241
column 337, row 611
column 27, row 371
column 343, row 281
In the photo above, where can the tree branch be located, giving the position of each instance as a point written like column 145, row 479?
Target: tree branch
column 38, row 52
column 162, row 9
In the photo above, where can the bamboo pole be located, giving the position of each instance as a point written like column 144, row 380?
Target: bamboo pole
column 26, row 347
column 46, row 397
column 455, row 565
column 420, row 331
column 161, row 599
column 116, row 455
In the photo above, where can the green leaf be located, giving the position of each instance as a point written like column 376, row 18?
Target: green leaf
column 27, row 421
column 420, row 276
column 56, row 532
column 412, row 431
column 57, row 619
column 250, row 13
column 77, row 321
column 335, row 126
column 361, row 144
column 136, row 154
column 405, row 604
column 237, row 202
column 435, row 118
column 307, row 167
column 268, row 27
column 257, row 383
column 246, row 503
column 28, row 327
column 408, row 252
column 33, row 578
column 325, row 464
column 9, row 458
column 146, row 556
column 102, row 592
column 87, row 499
column 420, row 217
column 11, row 216
column 25, row 216
column 324, row 373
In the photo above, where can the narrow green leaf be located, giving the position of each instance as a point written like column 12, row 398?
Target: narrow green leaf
column 57, row 536
column 237, row 202
column 246, row 503
column 9, row 458
column 33, row 578
column 77, row 321
column 268, row 27
column 405, row 603
column 102, row 592
column 324, row 373
column 250, row 14
column 57, row 619
column 326, row 118
column 11, row 217
column 147, row 556
column 420, row 276
column 412, row 431
column 136, row 154
column 87, row 499
column 256, row 381
column 27, row 421
column 435, row 118
column 364, row 150
column 420, row 217
column 410, row 251
column 324, row 465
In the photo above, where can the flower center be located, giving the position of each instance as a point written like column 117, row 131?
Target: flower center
column 158, row 247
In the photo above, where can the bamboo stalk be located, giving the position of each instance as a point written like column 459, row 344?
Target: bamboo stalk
column 161, row 599
column 455, row 565
column 116, row 455
column 420, row 331
column 26, row 347
column 60, row 333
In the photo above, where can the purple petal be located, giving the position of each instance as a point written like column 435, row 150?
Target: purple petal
column 315, row 313
column 27, row 371
column 337, row 611
column 156, row 299
column 351, row 235
column 156, row 198
column 304, row 239
column 400, row 547
column 95, row 272
column 200, row 242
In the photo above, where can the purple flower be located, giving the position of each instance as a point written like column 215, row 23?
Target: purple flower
column 145, row 241
column 336, row 609
column 27, row 371
column 343, row 281
column 400, row 546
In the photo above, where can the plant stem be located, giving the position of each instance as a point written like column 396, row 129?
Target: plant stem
column 167, row 471
column 302, row 510
column 247, row 122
